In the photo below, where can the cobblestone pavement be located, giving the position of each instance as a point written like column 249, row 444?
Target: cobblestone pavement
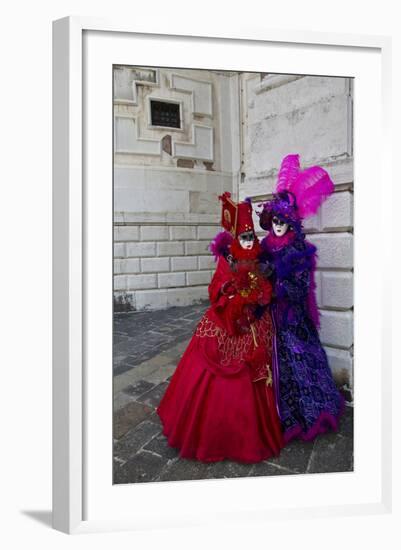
column 147, row 348
column 139, row 336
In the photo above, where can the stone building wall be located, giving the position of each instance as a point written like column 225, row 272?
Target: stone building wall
column 311, row 116
column 167, row 181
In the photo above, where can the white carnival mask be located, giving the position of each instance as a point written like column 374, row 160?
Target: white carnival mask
column 279, row 227
column 246, row 240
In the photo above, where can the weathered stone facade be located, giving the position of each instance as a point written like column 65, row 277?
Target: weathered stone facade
column 234, row 130
column 311, row 116
column 167, row 180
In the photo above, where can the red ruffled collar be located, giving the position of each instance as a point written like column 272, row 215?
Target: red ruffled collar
column 240, row 253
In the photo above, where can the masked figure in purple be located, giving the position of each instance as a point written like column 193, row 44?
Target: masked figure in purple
column 308, row 399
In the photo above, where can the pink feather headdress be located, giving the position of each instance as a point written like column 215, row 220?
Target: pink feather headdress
column 299, row 193
column 311, row 186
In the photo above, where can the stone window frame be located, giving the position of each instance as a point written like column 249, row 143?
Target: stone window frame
column 178, row 102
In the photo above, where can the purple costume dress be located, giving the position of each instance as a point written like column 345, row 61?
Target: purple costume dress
column 309, row 401
column 307, row 396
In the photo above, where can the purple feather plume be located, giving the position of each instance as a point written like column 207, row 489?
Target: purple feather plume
column 220, row 244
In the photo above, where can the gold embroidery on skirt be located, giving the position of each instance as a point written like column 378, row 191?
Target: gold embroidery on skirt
column 206, row 327
column 236, row 347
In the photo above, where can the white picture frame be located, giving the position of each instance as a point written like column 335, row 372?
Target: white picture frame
column 83, row 499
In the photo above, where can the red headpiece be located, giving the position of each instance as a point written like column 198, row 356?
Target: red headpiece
column 236, row 217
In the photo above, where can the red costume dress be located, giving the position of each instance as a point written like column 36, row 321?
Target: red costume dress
column 220, row 402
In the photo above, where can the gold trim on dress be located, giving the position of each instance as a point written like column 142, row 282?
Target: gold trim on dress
column 237, row 348
column 269, row 379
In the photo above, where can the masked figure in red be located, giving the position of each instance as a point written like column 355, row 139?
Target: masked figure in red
column 220, row 402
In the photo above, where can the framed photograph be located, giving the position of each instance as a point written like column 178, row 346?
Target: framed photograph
column 161, row 142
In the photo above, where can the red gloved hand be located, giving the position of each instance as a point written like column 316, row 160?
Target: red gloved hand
column 228, row 288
